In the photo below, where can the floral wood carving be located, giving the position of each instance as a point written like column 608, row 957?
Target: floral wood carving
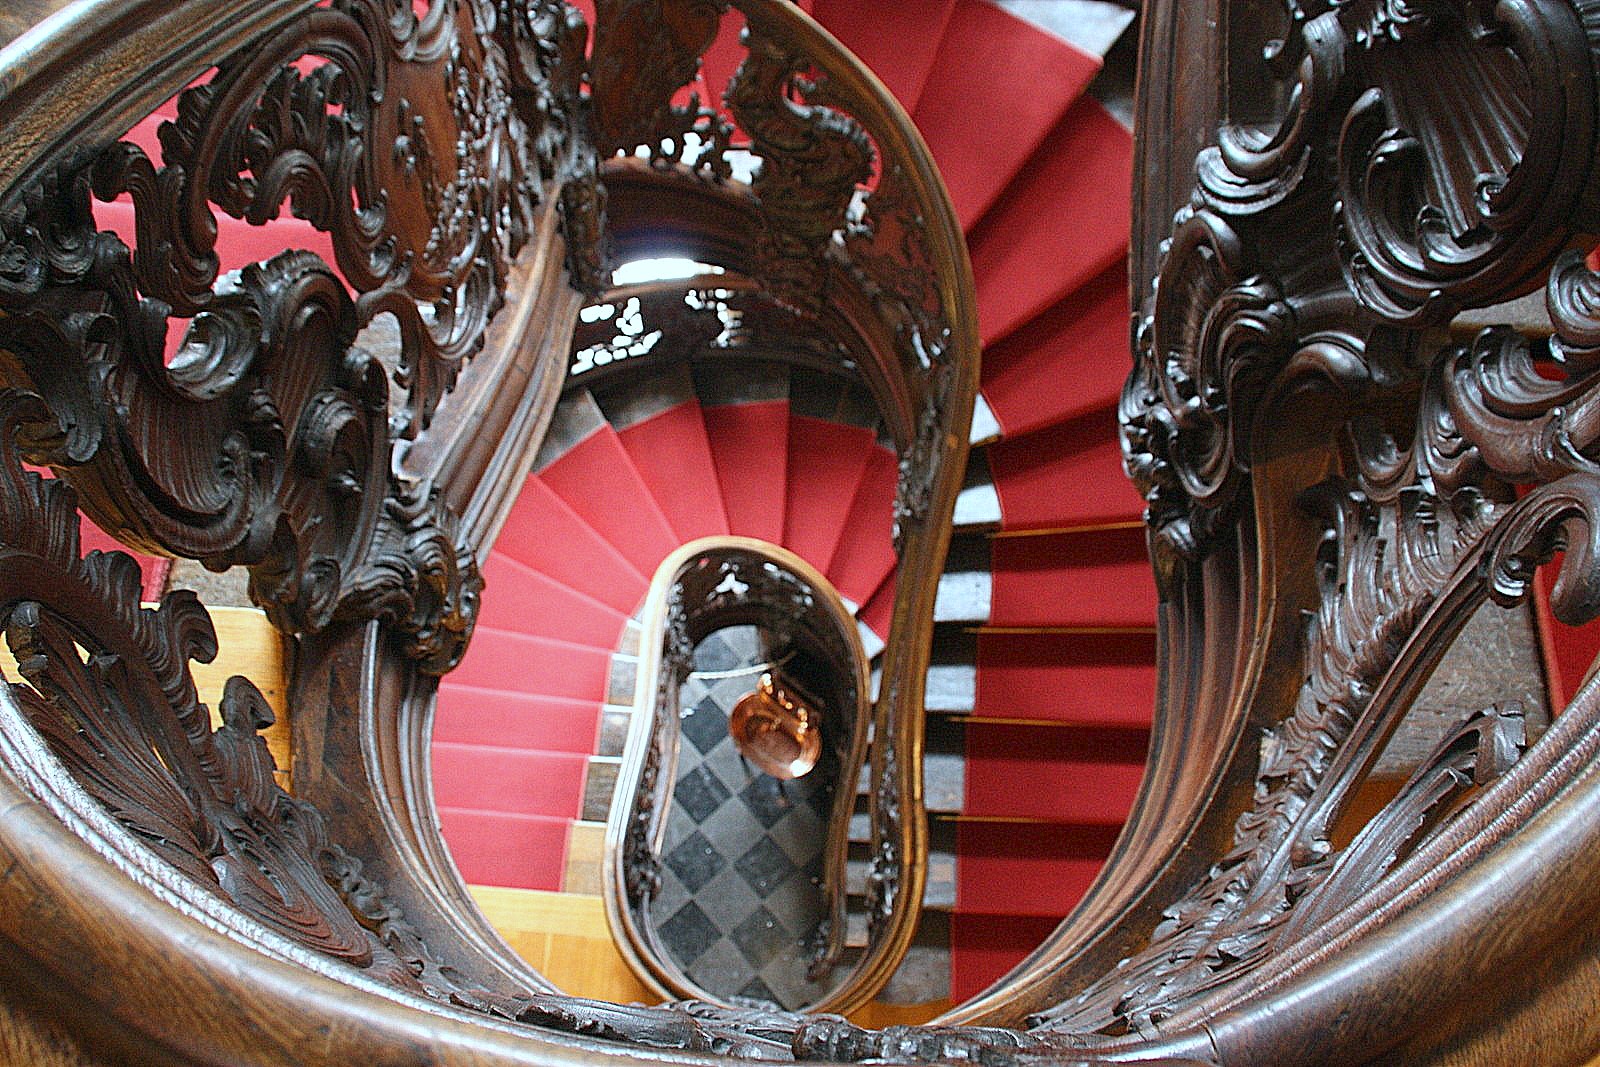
column 1314, row 248
column 122, row 715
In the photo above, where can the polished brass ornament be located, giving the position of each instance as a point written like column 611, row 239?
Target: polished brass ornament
column 777, row 729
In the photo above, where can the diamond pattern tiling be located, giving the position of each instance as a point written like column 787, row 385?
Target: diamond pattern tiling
column 741, row 896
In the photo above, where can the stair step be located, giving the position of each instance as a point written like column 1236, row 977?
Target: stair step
column 877, row 612
column 940, row 891
column 1077, row 775
column 597, row 479
column 1102, row 679
column 1038, row 869
column 506, row 780
column 827, row 462
column 864, row 559
column 986, row 427
column 1114, row 86
column 627, row 402
column 518, row 598
column 1031, row 250
column 897, row 41
column 984, row 947
column 966, row 586
column 663, row 430
column 1098, row 578
column 992, row 60
column 1091, row 26
column 753, row 480
column 672, row 453
column 612, row 736
column 477, row 716
column 507, row 660
column 978, row 502
column 1071, row 476
column 1083, row 339
column 831, row 398
column 952, row 684
column 497, row 848
column 545, row 534
column 576, row 418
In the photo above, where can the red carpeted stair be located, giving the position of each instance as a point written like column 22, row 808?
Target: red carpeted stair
column 1064, row 662
column 619, row 485
column 1039, row 172
column 1055, row 738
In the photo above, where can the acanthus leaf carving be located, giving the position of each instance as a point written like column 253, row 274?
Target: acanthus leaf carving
column 1213, row 338
column 108, row 687
column 813, row 160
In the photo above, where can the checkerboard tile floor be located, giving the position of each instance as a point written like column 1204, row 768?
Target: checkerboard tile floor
column 740, row 899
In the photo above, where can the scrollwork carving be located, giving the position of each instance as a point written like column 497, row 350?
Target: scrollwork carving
column 108, row 688
column 813, row 159
column 1392, row 545
column 1428, row 224
column 266, row 443
column 1215, row 336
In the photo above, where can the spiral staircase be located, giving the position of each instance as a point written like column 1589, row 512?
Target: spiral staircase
column 1045, row 650
column 529, row 525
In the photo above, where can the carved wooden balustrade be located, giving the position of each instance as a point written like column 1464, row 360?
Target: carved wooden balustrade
column 1336, row 484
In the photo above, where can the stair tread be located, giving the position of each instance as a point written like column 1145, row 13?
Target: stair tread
column 525, row 663
column 476, row 715
column 544, row 533
column 879, row 608
column 672, row 453
column 1099, row 578
column 597, row 479
column 1091, row 25
column 748, row 444
column 826, row 464
column 862, row 560
column 508, row 780
column 1086, row 776
column 1017, row 870
column 1031, row 250
column 991, row 59
column 1108, row 679
column 1083, row 339
column 984, row 947
column 497, row 848
column 1071, row 476
column 518, row 598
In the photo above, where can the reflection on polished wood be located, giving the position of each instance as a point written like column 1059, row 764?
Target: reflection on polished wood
column 776, row 729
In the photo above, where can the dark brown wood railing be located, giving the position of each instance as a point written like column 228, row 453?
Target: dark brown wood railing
column 1336, row 485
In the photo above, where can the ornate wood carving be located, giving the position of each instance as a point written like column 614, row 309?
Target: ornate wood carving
column 1335, row 486
column 108, row 688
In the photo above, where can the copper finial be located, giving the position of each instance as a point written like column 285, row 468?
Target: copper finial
column 776, row 730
